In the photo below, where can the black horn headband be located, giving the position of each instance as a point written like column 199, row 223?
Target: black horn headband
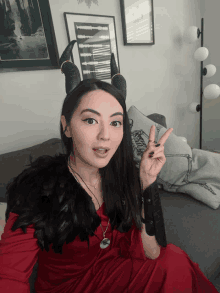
column 72, row 74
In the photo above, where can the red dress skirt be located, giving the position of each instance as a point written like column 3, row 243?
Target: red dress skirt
column 121, row 267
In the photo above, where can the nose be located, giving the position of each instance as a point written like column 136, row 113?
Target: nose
column 104, row 131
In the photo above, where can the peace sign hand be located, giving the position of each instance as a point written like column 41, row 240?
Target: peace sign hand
column 150, row 167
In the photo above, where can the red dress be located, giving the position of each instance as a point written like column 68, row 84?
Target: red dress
column 121, row 267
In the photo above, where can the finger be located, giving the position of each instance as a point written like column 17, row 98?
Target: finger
column 155, row 156
column 152, row 133
column 157, row 150
column 162, row 159
column 153, row 148
column 159, row 156
column 165, row 136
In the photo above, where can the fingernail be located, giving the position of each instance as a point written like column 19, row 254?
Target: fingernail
column 157, row 145
column 151, row 153
column 150, row 156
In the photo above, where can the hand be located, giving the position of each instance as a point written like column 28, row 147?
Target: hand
column 151, row 167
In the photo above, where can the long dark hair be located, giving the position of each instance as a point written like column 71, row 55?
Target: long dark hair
column 46, row 195
column 120, row 177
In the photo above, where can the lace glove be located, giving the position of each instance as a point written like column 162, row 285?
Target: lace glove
column 154, row 221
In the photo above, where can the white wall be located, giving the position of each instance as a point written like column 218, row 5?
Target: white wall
column 163, row 78
column 211, row 108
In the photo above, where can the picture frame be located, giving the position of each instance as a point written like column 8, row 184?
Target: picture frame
column 96, row 40
column 27, row 37
column 137, row 22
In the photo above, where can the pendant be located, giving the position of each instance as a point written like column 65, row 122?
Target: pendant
column 104, row 243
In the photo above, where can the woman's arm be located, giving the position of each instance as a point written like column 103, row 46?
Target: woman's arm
column 151, row 247
column 18, row 255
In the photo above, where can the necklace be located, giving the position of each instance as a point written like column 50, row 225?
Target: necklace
column 105, row 241
column 95, row 184
column 87, row 182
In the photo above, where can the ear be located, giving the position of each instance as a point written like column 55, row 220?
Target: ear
column 63, row 121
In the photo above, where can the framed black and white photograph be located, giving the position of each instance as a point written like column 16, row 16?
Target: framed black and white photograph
column 27, row 38
column 96, row 40
column 137, row 22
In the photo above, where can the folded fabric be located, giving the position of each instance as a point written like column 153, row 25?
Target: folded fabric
column 202, row 180
column 194, row 172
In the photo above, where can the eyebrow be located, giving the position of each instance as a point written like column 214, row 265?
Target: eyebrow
column 97, row 113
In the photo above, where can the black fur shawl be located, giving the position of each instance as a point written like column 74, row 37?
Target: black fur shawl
column 48, row 196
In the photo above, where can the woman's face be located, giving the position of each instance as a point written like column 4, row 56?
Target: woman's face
column 90, row 131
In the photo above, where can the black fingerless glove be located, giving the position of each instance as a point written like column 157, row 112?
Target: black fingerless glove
column 154, row 222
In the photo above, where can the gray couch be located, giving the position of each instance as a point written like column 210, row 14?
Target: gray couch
column 189, row 224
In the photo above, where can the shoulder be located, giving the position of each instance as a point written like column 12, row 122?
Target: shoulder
column 28, row 186
column 44, row 162
column 41, row 166
column 45, row 195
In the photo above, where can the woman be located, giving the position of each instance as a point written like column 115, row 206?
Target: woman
column 92, row 195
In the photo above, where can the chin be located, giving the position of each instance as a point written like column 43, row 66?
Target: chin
column 102, row 164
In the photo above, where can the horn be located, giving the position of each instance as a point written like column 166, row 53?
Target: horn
column 70, row 70
column 117, row 79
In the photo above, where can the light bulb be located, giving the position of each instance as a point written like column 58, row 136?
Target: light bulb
column 211, row 70
column 192, row 107
column 201, row 54
column 191, row 35
column 212, row 91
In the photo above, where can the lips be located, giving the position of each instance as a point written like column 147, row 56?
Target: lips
column 104, row 148
column 101, row 151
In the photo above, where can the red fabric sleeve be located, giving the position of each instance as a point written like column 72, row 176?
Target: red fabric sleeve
column 18, row 255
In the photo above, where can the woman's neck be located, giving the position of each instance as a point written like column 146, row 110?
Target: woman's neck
column 89, row 175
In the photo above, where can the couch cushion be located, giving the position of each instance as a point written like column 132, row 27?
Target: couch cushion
column 50, row 147
column 195, row 228
column 13, row 163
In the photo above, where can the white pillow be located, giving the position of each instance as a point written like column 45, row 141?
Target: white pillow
column 174, row 146
column 183, row 171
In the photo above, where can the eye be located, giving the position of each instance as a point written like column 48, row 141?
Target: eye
column 89, row 119
column 117, row 122
column 95, row 120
